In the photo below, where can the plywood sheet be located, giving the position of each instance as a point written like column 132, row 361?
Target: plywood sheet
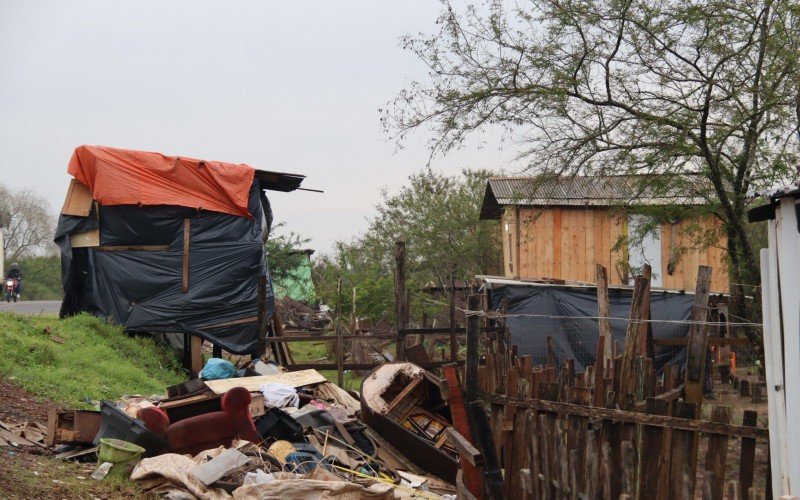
column 295, row 379
column 85, row 239
column 78, row 201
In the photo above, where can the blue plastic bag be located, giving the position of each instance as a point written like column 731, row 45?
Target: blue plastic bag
column 217, row 368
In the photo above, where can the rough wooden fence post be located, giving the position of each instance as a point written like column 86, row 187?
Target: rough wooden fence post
column 748, row 453
column 645, row 338
column 696, row 351
column 697, row 342
column 473, row 331
column 631, row 336
column 603, row 313
column 452, row 304
column 717, row 453
column 401, row 307
column 262, row 316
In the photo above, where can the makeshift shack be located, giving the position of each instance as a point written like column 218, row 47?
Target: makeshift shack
column 169, row 244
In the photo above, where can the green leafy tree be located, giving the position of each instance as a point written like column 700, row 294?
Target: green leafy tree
column 623, row 86
column 437, row 216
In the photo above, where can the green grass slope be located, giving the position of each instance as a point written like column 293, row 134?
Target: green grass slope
column 95, row 361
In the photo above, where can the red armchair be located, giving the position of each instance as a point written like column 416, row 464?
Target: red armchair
column 209, row 430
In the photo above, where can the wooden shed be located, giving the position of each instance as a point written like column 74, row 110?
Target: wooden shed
column 560, row 227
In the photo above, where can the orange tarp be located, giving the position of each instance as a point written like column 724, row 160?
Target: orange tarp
column 125, row 177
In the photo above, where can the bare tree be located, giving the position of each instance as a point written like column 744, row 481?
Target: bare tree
column 624, row 86
column 26, row 222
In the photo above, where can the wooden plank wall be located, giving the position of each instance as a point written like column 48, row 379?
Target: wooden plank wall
column 566, row 243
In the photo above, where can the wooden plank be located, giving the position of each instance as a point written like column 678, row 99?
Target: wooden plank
column 652, row 452
column 681, row 450
column 517, row 242
column 556, row 271
column 241, row 321
column 185, row 256
column 196, row 356
column 295, row 379
column 599, row 386
column 464, row 448
column 588, row 229
column 132, row 248
column 674, row 422
column 717, row 453
column 480, row 428
column 469, row 464
column 86, row 239
column 747, row 456
column 78, row 201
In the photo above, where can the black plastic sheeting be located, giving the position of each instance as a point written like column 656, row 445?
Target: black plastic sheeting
column 142, row 290
column 568, row 315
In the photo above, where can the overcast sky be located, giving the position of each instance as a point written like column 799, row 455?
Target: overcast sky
column 287, row 86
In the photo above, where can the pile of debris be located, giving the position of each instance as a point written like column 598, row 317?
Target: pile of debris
column 264, row 432
column 299, row 316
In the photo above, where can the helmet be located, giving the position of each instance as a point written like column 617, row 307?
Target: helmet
column 14, row 265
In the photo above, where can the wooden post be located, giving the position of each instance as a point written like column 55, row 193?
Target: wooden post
column 637, row 302
column 717, row 453
column 644, row 345
column 197, row 354
column 603, row 313
column 401, row 307
column 337, row 329
column 473, row 331
column 697, row 343
column 339, row 355
column 452, row 303
column 262, row 313
column 185, row 273
column 353, row 314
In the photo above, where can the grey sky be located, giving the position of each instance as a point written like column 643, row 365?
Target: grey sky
column 287, row 86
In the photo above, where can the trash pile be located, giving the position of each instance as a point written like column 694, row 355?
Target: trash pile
column 264, row 432
column 297, row 315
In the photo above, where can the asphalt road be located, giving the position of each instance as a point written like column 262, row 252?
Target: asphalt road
column 31, row 306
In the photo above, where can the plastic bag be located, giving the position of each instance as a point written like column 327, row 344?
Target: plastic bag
column 217, row 368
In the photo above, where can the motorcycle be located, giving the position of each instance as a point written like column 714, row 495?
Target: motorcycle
column 12, row 289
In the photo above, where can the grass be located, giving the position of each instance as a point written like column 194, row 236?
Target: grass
column 82, row 359
column 322, row 352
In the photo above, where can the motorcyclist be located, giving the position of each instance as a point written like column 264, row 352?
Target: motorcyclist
column 15, row 273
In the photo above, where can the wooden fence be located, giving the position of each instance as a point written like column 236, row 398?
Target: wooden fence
column 617, row 430
column 553, row 441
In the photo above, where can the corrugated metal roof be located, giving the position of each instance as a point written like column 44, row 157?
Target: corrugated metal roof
column 581, row 191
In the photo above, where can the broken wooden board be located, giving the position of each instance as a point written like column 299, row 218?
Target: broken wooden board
column 295, row 379
column 78, row 201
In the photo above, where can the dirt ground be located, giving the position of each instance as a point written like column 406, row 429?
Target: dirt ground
column 725, row 394
column 33, row 473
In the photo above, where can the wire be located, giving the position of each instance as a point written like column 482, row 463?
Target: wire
column 497, row 315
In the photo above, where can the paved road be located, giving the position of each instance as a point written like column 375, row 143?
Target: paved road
column 31, row 306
